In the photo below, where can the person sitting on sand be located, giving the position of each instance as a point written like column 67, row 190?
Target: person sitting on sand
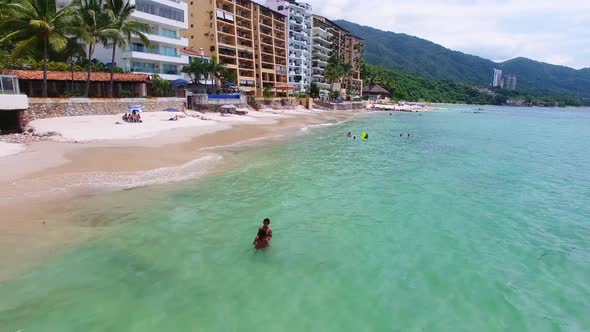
column 263, row 236
column 125, row 117
column 174, row 118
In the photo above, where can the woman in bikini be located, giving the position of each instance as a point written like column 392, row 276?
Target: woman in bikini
column 263, row 236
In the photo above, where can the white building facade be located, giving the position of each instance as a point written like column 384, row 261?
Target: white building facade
column 167, row 19
column 322, row 51
column 300, row 40
column 497, row 78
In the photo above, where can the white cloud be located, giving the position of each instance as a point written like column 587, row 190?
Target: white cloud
column 544, row 30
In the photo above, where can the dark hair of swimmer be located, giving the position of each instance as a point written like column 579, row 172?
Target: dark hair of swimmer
column 266, row 221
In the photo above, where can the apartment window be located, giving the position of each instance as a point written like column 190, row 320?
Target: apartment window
column 143, row 67
column 168, row 33
column 169, row 51
column 192, row 37
column 191, row 25
column 169, row 69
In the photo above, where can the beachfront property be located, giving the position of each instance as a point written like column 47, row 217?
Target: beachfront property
column 167, row 19
column 322, row 51
column 247, row 37
column 333, row 40
column 299, row 16
column 62, row 83
column 205, row 80
column 497, row 78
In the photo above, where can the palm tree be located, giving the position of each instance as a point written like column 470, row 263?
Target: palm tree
column 216, row 68
column 346, row 70
column 33, row 25
column 94, row 25
column 120, row 11
column 196, row 69
column 331, row 74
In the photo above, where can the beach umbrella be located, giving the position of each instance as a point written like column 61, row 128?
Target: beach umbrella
column 136, row 108
column 179, row 82
column 171, row 109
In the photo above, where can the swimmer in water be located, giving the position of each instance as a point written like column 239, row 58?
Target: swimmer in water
column 349, row 135
column 264, row 235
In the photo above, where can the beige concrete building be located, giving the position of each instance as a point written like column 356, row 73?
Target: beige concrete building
column 246, row 36
column 329, row 39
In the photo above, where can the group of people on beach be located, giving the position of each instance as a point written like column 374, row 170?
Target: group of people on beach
column 133, row 117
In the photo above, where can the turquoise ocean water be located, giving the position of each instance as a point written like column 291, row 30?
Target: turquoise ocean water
column 476, row 222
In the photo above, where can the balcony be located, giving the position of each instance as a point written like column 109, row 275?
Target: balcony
column 267, row 41
column 166, row 52
column 245, row 55
column 244, row 25
column 225, row 29
column 266, row 50
column 266, row 31
column 244, row 14
column 226, row 41
column 244, row 4
column 244, row 35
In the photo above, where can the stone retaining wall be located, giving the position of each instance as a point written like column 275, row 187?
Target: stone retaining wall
column 41, row 108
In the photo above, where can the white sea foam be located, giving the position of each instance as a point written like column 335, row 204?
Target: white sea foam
column 106, row 180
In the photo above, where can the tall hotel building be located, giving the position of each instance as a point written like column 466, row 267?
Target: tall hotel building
column 167, row 19
column 247, row 37
column 497, row 78
column 300, row 40
column 329, row 39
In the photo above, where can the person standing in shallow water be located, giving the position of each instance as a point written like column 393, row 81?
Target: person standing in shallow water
column 263, row 236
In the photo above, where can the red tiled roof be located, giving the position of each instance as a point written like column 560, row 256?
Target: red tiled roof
column 284, row 86
column 78, row 76
column 190, row 52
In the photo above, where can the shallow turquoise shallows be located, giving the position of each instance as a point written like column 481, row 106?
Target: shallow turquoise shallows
column 475, row 222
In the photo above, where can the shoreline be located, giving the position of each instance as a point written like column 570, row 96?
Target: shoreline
column 36, row 229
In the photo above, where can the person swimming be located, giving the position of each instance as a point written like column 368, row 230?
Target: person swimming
column 264, row 235
column 349, row 135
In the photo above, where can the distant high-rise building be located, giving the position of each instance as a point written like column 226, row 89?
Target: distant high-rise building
column 510, row 82
column 497, row 78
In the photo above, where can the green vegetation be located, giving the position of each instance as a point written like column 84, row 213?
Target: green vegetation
column 401, row 52
column 120, row 17
column 33, row 31
column 411, row 87
column 337, row 71
column 160, row 87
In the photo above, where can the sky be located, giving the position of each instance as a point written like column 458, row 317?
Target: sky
column 553, row 31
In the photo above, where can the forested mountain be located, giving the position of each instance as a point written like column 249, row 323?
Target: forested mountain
column 419, row 56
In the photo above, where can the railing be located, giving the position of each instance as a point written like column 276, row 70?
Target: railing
column 151, row 70
column 154, row 51
column 165, row 34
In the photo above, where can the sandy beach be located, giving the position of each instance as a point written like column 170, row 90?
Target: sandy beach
column 88, row 155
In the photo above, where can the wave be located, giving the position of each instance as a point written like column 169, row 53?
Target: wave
column 64, row 183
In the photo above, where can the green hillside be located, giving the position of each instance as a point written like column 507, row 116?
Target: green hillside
column 415, row 55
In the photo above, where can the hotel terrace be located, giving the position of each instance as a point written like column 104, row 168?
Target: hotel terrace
column 246, row 36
